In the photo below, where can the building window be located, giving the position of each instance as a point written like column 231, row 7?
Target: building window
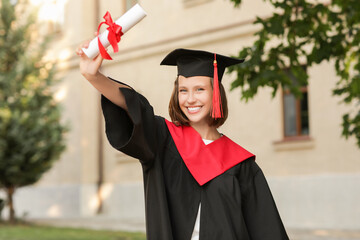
column 130, row 3
column 296, row 114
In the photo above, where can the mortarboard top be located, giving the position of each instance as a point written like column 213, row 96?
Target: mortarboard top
column 198, row 63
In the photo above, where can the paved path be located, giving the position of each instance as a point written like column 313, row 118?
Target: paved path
column 135, row 226
column 322, row 234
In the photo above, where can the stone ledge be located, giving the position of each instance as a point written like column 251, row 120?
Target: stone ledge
column 294, row 144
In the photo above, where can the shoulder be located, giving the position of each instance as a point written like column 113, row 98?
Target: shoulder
column 162, row 127
column 245, row 171
column 161, row 123
column 247, row 168
column 245, row 158
column 176, row 131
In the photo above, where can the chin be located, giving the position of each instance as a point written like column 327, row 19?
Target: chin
column 199, row 120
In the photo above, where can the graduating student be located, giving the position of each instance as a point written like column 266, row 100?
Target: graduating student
column 198, row 183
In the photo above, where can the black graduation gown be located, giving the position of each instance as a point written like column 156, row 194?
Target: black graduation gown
column 236, row 205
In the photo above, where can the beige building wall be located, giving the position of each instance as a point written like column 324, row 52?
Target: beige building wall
column 314, row 182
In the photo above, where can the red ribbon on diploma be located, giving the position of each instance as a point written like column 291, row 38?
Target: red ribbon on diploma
column 114, row 36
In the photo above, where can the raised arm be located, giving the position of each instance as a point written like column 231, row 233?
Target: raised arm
column 89, row 68
column 131, row 126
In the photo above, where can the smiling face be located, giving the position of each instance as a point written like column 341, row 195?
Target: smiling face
column 195, row 98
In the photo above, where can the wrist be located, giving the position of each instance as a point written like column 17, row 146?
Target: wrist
column 91, row 76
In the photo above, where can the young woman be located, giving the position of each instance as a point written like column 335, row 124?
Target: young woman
column 198, row 183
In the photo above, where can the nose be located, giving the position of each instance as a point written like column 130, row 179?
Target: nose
column 191, row 97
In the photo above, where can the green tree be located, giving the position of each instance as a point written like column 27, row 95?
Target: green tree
column 304, row 32
column 31, row 134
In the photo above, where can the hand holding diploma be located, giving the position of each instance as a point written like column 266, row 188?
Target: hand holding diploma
column 91, row 60
column 89, row 67
column 114, row 32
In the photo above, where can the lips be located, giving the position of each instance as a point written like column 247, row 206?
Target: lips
column 193, row 109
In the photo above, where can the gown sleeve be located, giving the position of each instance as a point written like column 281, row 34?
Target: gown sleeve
column 135, row 131
column 260, row 212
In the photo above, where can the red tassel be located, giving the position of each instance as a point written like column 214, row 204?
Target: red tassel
column 217, row 111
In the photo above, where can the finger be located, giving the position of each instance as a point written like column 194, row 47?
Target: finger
column 86, row 44
column 84, row 56
column 99, row 59
column 79, row 51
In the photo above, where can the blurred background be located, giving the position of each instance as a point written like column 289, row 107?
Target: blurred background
column 313, row 171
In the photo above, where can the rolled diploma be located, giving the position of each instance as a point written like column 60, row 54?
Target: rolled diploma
column 126, row 21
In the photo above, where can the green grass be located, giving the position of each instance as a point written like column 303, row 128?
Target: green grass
column 30, row 232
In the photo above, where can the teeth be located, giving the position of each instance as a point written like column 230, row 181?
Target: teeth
column 193, row 109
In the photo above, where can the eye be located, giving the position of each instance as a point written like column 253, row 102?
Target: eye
column 200, row 89
column 182, row 90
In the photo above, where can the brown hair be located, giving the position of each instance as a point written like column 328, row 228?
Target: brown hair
column 179, row 118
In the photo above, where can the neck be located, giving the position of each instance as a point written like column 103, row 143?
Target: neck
column 206, row 131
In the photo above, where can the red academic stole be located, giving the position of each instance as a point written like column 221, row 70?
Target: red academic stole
column 205, row 162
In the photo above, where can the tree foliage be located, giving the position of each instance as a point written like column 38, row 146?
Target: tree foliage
column 31, row 134
column 305, row 33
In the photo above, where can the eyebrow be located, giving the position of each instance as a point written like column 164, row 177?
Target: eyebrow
column 196, row 86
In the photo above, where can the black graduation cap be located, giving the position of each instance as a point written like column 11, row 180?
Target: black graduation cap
column 192, row 63
column 198, row 63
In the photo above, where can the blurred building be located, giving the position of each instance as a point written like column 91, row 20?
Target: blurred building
column 313, row 172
